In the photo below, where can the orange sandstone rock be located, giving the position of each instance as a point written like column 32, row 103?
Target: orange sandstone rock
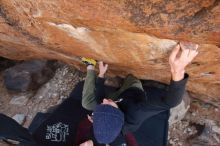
column 133, row 36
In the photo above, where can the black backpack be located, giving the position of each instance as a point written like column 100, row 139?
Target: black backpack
column 12, row 132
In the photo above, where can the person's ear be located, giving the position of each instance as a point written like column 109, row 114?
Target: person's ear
column 87, row 143
column 90, row 118
column 105, row 100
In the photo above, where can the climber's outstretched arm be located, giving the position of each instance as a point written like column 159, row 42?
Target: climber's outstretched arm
column 179, row 58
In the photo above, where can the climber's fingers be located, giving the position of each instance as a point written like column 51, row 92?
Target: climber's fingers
column 184, row 53
column 174, row 53
column 193, row 53
column 189, row 51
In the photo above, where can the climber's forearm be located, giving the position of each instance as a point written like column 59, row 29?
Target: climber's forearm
column 88, row 96
column 175, row 91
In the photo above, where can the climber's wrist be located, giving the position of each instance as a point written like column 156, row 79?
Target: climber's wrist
column 90, row 67
column 101, row 75
column 177, row 76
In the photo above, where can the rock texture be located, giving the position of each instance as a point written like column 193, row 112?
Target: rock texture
column 28, row 75
column 133, row 36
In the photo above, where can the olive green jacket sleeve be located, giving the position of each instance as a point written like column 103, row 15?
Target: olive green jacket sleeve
column 88, row 96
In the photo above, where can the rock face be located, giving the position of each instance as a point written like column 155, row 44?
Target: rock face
column 28, row 75
column 132, row 36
